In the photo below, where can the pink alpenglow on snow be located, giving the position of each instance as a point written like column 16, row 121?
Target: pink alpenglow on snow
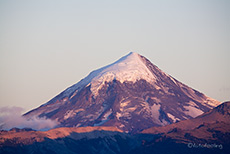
column 131, row 94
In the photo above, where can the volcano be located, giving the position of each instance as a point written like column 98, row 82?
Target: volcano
column 131, row 94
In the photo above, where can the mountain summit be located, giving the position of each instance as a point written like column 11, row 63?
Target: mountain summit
column 131, row 94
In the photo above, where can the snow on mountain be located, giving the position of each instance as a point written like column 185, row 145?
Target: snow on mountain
column 128, row 68
column 219, row 114
column 205, row 134
column 131, row 94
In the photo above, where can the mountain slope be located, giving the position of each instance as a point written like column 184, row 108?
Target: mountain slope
column 131, row 94
column 63, row 140
column 207, row 133
column 216, row 116
column 211, row 137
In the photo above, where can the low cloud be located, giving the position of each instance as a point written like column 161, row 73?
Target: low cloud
column 12, row 117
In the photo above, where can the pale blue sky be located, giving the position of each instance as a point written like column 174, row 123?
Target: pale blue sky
column 46, row 46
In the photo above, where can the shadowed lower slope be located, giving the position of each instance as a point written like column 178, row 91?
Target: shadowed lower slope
column 207, row 134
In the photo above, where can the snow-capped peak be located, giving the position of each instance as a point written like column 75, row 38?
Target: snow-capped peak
column 159, row 101
column 128, row 68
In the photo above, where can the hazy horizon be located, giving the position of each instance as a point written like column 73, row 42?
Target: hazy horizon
column 47, row 46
